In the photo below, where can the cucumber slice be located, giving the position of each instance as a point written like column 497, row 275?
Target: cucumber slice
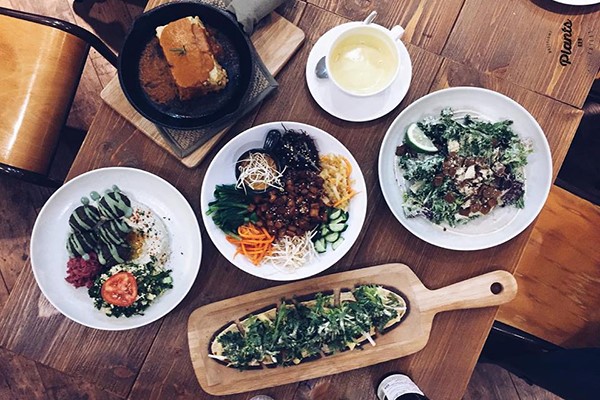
column 416, row 138
column 332, row 237
column 337, row 243
column 320, row 246
column 325, row 231
column 339, row 220
column 335, row 214
column 338, row 227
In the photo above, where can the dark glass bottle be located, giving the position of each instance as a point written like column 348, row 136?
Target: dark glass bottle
column 397, row 386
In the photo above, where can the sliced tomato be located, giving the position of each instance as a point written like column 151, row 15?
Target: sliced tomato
column 120, row 289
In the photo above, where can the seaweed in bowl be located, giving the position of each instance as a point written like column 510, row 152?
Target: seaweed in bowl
column 295, row 149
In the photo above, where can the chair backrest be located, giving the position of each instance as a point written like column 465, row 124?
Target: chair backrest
column 559, row 275
column 41, row 62
column 40, row 68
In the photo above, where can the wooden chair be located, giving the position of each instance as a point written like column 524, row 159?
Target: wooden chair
column 559, row 275
column 41, row 62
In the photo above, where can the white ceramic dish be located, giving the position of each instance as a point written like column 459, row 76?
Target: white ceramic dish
column 501, row 224
column 49, row 255
column 222, row 171
column 578, row 2
column 346, row 106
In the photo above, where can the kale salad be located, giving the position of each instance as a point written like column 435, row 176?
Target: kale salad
column 458, row 168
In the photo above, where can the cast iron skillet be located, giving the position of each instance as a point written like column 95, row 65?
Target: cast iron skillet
column 205, row 110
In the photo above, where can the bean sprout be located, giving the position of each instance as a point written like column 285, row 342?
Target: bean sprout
column 292, row 252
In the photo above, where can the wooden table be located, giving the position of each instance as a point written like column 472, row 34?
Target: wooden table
column 513, row 47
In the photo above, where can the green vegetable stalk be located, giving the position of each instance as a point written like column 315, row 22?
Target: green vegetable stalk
column 230, row 209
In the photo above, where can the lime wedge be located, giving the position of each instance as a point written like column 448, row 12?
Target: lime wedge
column 416, row 138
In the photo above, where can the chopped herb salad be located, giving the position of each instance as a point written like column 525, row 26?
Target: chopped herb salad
column 135, row 288
column 298, row 331
column 459, row 168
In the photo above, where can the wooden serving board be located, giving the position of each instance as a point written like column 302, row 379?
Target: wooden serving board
column 276, row 41
column 408, row 337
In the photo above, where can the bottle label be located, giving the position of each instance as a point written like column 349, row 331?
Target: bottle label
column 395, row 386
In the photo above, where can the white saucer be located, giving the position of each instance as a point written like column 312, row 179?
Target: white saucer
column 353, row 108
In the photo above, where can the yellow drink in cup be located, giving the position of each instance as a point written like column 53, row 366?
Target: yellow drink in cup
column 364, row 59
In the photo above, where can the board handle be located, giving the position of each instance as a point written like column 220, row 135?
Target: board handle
column 491, row 289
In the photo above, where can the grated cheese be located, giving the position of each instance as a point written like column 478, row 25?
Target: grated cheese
column 336, row 171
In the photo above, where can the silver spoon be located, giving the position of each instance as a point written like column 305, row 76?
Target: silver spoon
column 321, row 67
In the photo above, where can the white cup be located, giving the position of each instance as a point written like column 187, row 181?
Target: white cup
column 364, row 60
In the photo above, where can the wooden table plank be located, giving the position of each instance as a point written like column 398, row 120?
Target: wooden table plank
column 522, row 40
column 17, row 198
column 427, row 23
column 110, row 21
column 21, row 378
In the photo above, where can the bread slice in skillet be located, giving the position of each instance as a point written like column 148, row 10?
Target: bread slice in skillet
column 186, row 46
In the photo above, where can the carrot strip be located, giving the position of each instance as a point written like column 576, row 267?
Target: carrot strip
column 346, row 197
column 348, row 166
column 254, row 242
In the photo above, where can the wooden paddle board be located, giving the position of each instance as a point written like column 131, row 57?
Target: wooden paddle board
column 408, row 337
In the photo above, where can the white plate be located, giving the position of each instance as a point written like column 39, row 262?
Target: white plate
column 501, row 224
column 354, row 108
column 578, row 2
column 49, row 255
column 222, row 171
